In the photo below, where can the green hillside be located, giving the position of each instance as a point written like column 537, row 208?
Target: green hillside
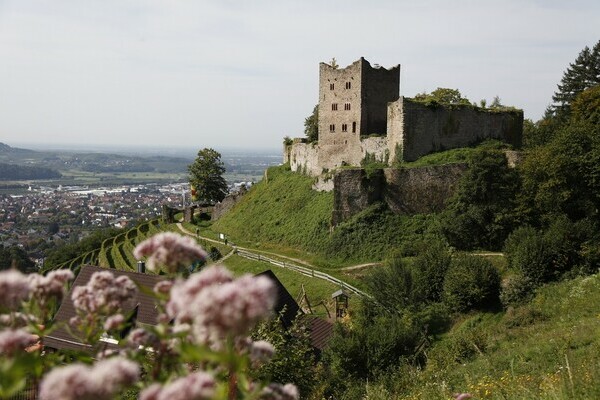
column 545, row 349
column 281, row 209
column 283, row 212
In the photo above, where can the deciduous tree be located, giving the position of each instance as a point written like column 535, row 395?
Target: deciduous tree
column 206, row 176
column 311, row 125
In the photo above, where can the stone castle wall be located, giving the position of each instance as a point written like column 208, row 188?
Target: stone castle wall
column 418, row 129
column 226, row 204
column 314, row 159
column 405, row 191
column 380, row 86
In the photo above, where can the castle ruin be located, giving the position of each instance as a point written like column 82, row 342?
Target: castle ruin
column 362, row 116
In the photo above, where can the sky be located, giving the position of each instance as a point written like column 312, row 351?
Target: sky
column 244, row 74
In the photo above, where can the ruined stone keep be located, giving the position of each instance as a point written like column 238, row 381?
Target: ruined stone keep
column 361, row 114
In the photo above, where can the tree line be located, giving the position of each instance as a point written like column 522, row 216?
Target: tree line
column 10, row 172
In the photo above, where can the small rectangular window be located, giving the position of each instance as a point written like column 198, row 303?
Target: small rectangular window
column 332, row 128
column 334, row 107
column 354, row 127
column 347, row 106
column 348, row 85
column 344, row 127
column 331, row 86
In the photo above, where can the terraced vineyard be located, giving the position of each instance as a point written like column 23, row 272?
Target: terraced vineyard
column 115, row 252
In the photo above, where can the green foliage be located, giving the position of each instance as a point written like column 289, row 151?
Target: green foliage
column 294, row 359
column 442, row 96
column 372, row 345
column 311, row 125
column 206, row 176
column 214, row 253
column 516, row 289
column 586, row 106
column 563, row 176
column 581, row 74
column 471, row 283
column 281, row 209
column 70, row 251
column 287, row 141
column 544, row 256
column 15, row 257
column 392, row 286
column 370, row 163
column 481, row 214
column 430, row 266
column 374, row 232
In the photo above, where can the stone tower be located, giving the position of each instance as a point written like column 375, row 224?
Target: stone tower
column 353, row 101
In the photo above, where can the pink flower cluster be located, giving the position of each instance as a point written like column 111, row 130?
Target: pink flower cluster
column 14, row 288
column 100, row 382
column 261, row 352
column 103, row 294
column 12, row 341
column 113, row 322
column 43, row 288
column 140, row 337
column 170, row 250
column 196, row 386
column 216, row 305
column 276, row 391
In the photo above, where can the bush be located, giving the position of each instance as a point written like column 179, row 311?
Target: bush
column 471, row 283
column 430, row 268
column 516, row 290
column 527, row 253
column 391, row 285
column 214, row 253
column 564, row 247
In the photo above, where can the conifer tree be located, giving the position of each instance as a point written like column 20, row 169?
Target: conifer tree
column 581, row 74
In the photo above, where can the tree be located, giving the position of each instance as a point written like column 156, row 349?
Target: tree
column 443, row 96
column 206, row 176
column 311, row 125
column 563, row 176
column 586, row 106
column 482, row 213
column 15, row 257
column 582, row 74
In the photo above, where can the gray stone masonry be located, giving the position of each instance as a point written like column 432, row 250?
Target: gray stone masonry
column 361, row 100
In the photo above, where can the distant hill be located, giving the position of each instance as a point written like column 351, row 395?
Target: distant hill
column 6, row 149
column 12, row 172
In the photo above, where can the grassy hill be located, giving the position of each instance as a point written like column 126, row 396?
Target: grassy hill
column 545, row 349
column 283, row 212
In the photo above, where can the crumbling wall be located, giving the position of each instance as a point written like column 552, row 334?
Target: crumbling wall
column 304, row 158
column 405, row 191
column 227, row 204
column 423, row 129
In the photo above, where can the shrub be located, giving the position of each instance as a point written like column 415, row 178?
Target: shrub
column 214, row 253
column 526, row 252
column 564, row 247
column 516, row 290
column 430, row 268
column 392, row 285
column 471, row 283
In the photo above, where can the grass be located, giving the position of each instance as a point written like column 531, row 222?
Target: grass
column 452, row 156
column 283, row 214
column 281, row 210
column 546, row 349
